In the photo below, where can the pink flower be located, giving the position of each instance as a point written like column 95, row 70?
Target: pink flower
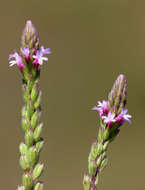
column 45, row 51
column 26, row 53
column 109, row 119
column 102, row 107
column 39, row 58
column 16, row 61
column 123, row 116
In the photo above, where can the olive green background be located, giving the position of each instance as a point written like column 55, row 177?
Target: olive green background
column 92, row 42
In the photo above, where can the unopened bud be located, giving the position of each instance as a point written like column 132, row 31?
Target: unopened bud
column 117, row 96
column 23, row 149
column 32, row 155
column 27, row 181
column 24, row 162
column 29, row 139
column 37, row 171
column 37, row 132
column 39, row 146
column 30, row 38
column 38, row 186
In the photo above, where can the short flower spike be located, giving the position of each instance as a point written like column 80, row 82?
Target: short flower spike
column 113, row 114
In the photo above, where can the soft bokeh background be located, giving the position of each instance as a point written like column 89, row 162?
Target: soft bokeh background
column 92, row 42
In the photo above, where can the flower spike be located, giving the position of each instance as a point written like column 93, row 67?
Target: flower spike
column 30, row 53
column 112, row 114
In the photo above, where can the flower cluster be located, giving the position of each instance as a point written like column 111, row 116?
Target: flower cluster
column 37, row 59
column 111, row 118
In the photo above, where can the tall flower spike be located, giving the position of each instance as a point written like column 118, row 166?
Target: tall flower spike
column 30, row 149
column 112, row 115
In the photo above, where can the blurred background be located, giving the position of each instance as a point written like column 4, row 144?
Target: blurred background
column 92, row 42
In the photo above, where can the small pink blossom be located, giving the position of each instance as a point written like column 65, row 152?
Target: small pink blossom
column 39, row 58
column 123, row 116
column 17, row 60
column 109, row 119
column 26, row 53
column 102, row 107
column 45, row 51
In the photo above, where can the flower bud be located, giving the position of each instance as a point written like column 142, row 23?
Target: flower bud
column 39, row 146
column 23, row 149
column 24, row 162
column 35, row 119
column 29, row 139
column 34, row 92
column 117, row 96
column 38, row 101
column 30, row 38
column 92, row 167
column 27, row 181
column 32, row 153
column 38, row 131
column 103, row 163
column 38, row 186
column 25, row 124
column 37, row 171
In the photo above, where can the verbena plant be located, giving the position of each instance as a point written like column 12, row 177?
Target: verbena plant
column 29, row 60
column 112, row 114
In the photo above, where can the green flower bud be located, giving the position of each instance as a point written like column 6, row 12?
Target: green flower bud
column 25, row 124
column 37, row 171
column 32, row 155
column 99, row 160
column 106, row 133
column 34, row 119
column 103, row 164
column 38, row 186
column 24, row 111
column 34, row 92
column 29, row 139
column 23, row 149
column 39, row 146
column 38, row 131
column 105, row 145
column 103, row 156
column 30, row 108
column 93, row 152
column 99, row 149
column 24, row 162
column 27, row 88
column 27, row 181
column 100, row 136
column 30, row 83
column 92, row 167
column 38, row 101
